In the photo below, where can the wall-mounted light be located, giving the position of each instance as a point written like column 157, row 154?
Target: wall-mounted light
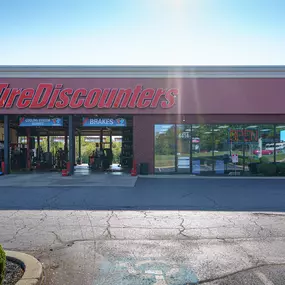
column 183, row 119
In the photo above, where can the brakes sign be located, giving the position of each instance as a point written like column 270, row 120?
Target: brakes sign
column 55, row 96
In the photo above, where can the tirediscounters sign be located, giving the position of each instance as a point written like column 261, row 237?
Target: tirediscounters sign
column 48, row 96
column 40, row 122
column 103, row 122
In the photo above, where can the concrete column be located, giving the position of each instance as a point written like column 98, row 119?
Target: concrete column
column 28, row 148
column 65, row 142
column 101, row 139
column 71, row 143
column 274, row 143
column 79, row 145
column 39, row 144
column 74, row 148
column 6, row 144
column 48, row 143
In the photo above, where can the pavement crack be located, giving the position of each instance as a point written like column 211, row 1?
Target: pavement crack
column 17, row 233
column 215, row 204
column 108, row 228
column 260, row 228
column 58, row 238
column 182, row 229
column 13, row 214
column 145, row 214
column 68, row 243
column 239, row 271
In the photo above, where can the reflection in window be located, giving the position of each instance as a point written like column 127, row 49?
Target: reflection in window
column 202, row 148
column 259, row 143
column 165, row 141
column 205, row 148
column 183, row 148
column 222, row 149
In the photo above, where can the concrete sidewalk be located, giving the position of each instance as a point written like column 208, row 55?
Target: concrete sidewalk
column 54, row 179
column 192, row 176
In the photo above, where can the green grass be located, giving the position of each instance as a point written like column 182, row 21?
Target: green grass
column 280, row 156
column 164, row 160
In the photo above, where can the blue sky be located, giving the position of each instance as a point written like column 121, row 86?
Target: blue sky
column 147, row 32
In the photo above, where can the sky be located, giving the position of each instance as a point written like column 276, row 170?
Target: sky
column 142, row 32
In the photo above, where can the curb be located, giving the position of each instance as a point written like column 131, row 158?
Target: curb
column 33, row 274
column 186, row 176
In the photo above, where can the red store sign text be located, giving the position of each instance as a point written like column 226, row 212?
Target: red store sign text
column 55, row 96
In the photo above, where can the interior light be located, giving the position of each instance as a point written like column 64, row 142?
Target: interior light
column 251, row 127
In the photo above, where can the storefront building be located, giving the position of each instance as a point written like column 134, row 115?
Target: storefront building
column 182, row 119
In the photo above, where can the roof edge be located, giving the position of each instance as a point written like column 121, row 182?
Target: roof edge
column 140, row 71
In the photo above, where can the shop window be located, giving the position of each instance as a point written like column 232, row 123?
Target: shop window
column 165, row 146
column 208, row 149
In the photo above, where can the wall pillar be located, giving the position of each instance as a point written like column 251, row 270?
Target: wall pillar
column 28, row 148
column 6, row 144
column 48, row 143
column 39, row 145
column 71, row 144
column 101, row 139
column 79, row 145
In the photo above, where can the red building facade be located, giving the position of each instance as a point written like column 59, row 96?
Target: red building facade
column 179, row 114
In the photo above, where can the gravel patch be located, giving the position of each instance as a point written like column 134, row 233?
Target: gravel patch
column 14, row 273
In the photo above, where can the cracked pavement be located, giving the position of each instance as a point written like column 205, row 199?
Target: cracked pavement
column 80, row 243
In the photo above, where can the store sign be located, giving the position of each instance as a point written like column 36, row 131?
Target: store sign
column 40, row 122
column 55, row 96
column 220, row 167
column 243, row 135
column 234, row 158
column 196, row 168
column 103, row 122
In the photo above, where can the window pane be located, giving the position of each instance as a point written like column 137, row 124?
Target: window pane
column 202, row 149
column 164, row 159
column 183, row 148
column 236, row 144
column 259, row 143
column 222, row 154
